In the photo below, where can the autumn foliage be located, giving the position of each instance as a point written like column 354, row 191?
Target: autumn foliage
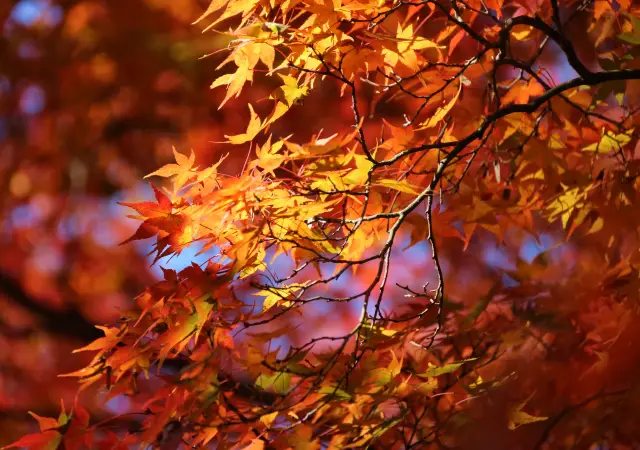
column 430, row 240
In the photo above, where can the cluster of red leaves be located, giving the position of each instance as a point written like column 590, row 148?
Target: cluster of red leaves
column 72, row 429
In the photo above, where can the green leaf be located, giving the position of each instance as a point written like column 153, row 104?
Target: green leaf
column 434, row 371
column 332, row 391
column 519, row 417
column 428, row 387
column 279, row 382
column 276, row 28
column 264, row 382
column 381, row 376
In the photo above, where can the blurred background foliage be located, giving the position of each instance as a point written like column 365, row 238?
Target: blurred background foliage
column 93, row 95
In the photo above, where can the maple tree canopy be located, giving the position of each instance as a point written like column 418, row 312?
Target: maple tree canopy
column 451, row 264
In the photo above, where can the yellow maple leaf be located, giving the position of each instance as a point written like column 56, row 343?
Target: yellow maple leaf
column 267, row 419
column 610, row 142
column 441, row 112
column 402, row 186
column 183, row 164
column 518, row 417
column 255, row 125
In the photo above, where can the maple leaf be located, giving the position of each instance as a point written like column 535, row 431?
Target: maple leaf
column 610, row 142
column 184, row 326
column 518, row 417
column 268, row 419
column 45, row 423
column 279, row 382
column 286, row 97
column 102, row 345
column 434, row 371
column 254, row 127
column 441, row 112
column 50, row 435
column 150, row 209
column 290, row 91
column 269, row 157
column 407, row 44
column 181, row 172
column 47, row 440
column 184, row 164
column 278, row 296
column 401, row 186
column 566, row 204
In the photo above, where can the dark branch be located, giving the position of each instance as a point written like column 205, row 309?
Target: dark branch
column 70, row 323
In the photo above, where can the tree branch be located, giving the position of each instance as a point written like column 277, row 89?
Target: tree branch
column 69, row 323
